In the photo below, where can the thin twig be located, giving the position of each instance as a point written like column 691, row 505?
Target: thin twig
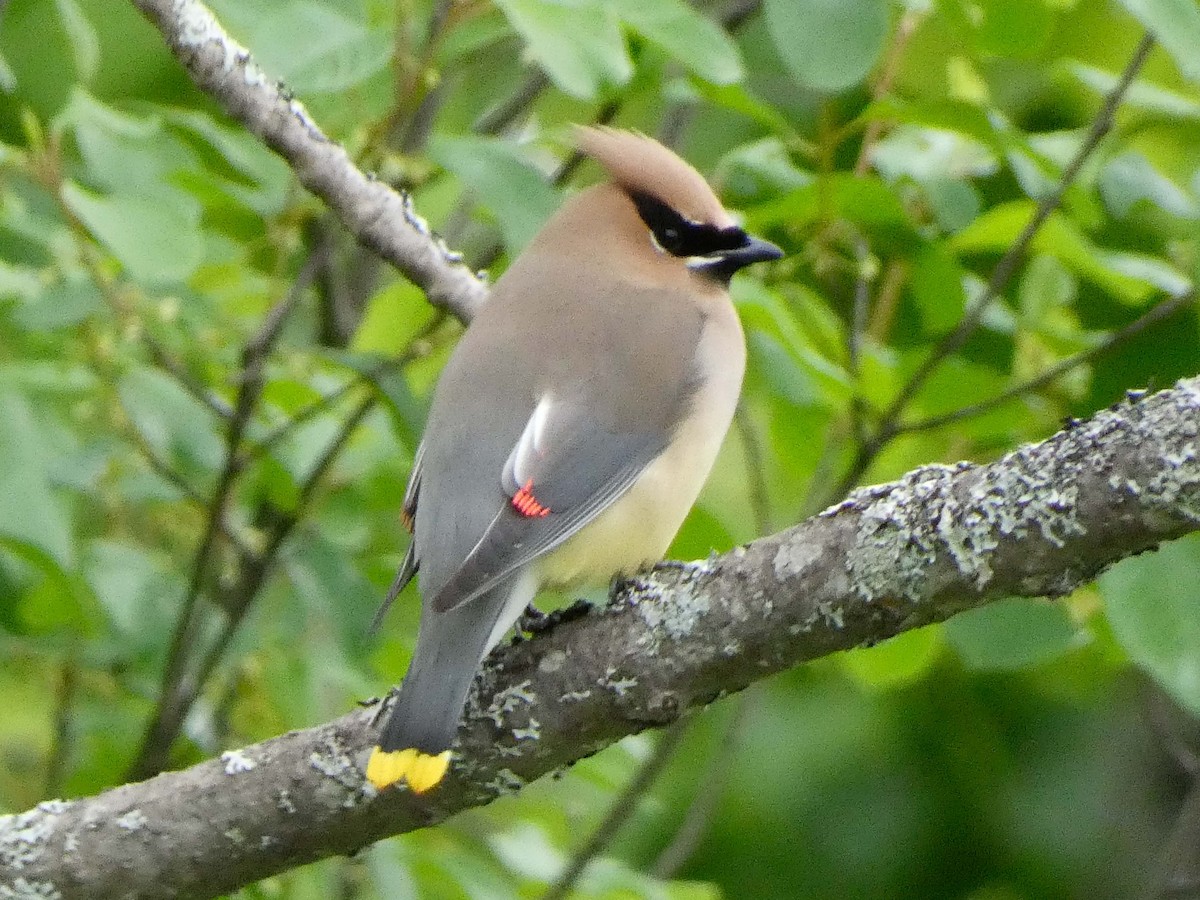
column 1001, row 275
column 56, row 762
column 760, row 497
column 246, row 591
column 622, row 808
column 419, row 347
column 710, row 787
column 1162, row 311
column 500, row 117
column 162, row 729
column 168, row 363
column 883, row 84
column 854, row 336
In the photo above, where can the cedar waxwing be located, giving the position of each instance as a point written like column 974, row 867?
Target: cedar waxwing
column 572, row 427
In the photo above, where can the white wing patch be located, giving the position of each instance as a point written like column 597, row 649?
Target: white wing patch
column 531, row 445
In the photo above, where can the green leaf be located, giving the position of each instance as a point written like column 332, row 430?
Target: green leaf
column 737, row 98
column 8, row 82
column 954, row 201
column 256, row 176
column 578, row 44
column 518, row 194
column 937, row 286
column 997, row 229
column 1130, row 179
column 692, row 38
column 1045, row 286
column 1153, row 603
column 122, row 152
column 311, row 46
column 156, row 241
column 135, row 590
column 60, row 306
column 30, row 512
column 763, row 309
column 85, row 45
column 1142, row 95
column 829, row 45
column 1019, row 28
column 896, row 662
column 409, row 413
column 393, row 318
column 1012, row 634
column 175, row 424
column 868, row 202
column 1176, row 25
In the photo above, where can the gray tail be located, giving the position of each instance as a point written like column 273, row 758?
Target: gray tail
column 450, row 647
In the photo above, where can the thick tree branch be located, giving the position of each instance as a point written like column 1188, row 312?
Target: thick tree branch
column 381, row 218
column 1038, row 522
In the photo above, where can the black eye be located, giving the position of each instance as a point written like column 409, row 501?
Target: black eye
column 682, row 237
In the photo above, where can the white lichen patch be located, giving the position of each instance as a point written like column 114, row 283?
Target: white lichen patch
column 235, row 836
column 284, row 803
column 575, row 696
column 414, row 218
column 332, row 762
column 896, row 541
column 675, row 617
column 505, row 782
column 508, row 700
column 552, row 661
column 24, row 837
column 196, row 26
column 619, row 686
column 237, row 762
column 531, row 732
column 26, row 889
column 134, row 820
column 1177, row 485
column 962, row 514
column 794, row 558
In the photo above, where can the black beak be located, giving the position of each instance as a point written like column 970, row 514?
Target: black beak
column 754, row 250
column 722, row 264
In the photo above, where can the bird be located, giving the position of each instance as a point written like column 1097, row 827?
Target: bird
column 573, row 426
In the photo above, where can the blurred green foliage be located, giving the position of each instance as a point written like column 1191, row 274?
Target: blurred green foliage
column 144, row 238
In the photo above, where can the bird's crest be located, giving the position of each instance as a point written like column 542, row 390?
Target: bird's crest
column 641, row 165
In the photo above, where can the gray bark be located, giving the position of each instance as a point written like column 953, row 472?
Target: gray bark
column 1038, row 522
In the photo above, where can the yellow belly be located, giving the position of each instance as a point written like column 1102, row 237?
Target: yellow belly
column 638, row 527
column 634, row 531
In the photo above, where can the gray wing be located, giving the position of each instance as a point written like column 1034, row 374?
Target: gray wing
column 559, row 493
column 408, row 566
column 505, row 480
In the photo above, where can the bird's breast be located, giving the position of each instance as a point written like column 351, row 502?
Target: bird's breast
column 637, row 529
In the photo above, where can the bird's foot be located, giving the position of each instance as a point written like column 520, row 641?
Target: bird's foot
column 381, row 704
column 533, row 621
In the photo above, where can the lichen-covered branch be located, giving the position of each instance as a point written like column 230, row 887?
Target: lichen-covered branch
column 380, row 217
column 1038, row 522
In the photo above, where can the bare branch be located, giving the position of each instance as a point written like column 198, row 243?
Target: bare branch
column 1040, row 521
column 378, row 216
column 620, row 810
column 1001, row 275
column 1156, row 314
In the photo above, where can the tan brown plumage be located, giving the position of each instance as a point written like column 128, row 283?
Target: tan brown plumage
column 640, row 163
column 573, row 426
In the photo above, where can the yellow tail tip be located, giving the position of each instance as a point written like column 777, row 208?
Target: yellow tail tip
column 421, row 770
